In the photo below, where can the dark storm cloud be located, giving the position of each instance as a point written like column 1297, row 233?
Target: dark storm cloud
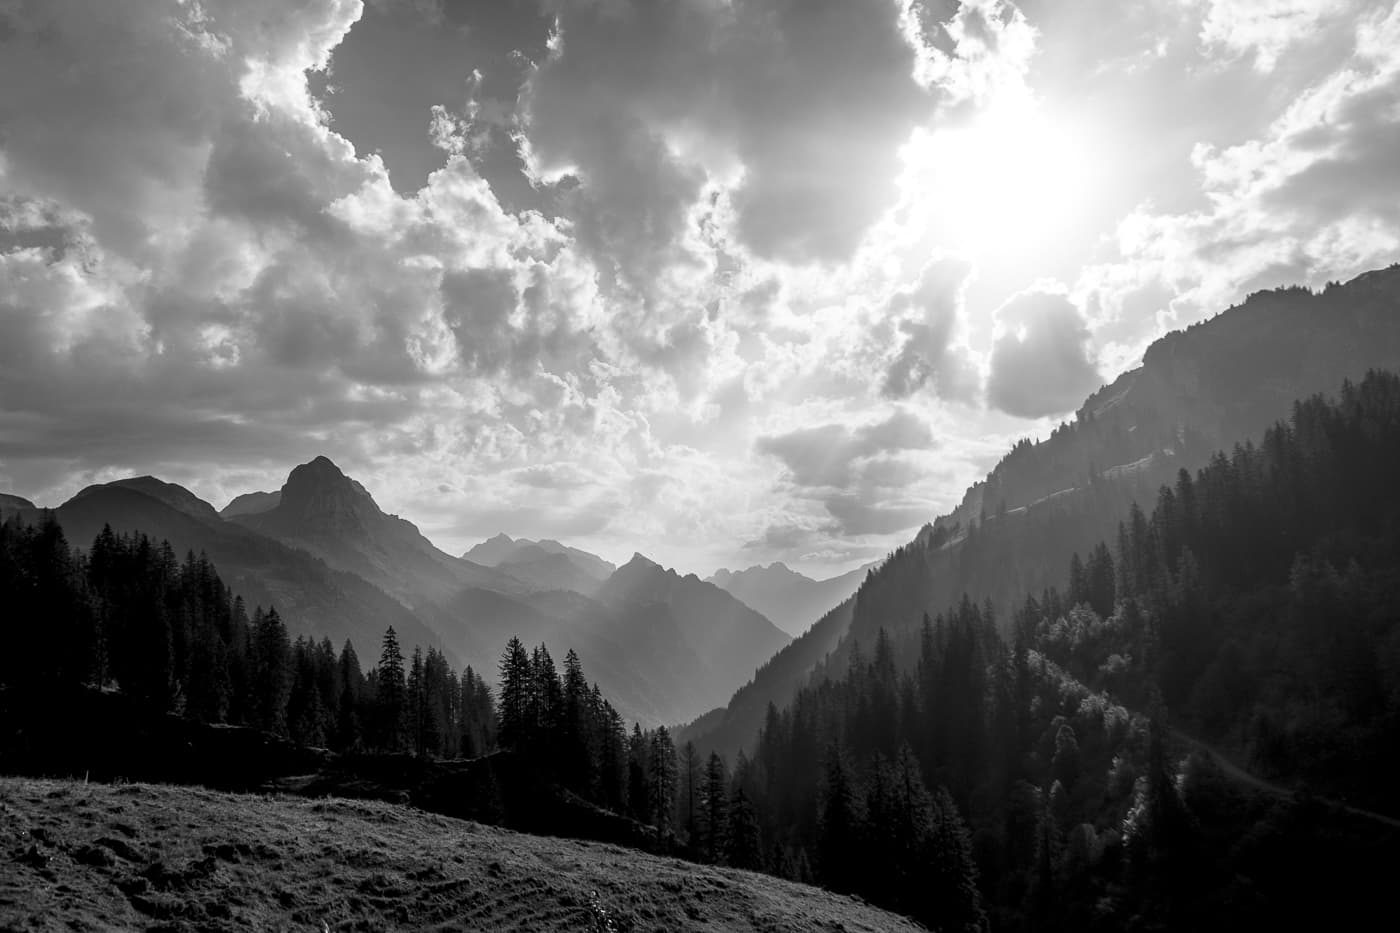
column 808, row 100
column 405, row 56
column 1042, row 364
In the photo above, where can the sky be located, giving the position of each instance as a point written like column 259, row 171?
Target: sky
column 721, row 281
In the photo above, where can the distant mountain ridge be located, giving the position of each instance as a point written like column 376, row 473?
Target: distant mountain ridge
column 729, row 638
column 792, row 600
column 544, row 564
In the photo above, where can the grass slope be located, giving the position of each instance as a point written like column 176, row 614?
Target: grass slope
column 138, row 856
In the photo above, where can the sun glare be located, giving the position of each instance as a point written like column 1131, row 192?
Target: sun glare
column 1009, row 182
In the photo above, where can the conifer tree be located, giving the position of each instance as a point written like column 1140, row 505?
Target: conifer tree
column 661, row 779
column 391, row 693
column 716, row 812
column 515, row 673
column 744, row 847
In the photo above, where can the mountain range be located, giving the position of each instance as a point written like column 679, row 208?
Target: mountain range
column 662, row 646
column 543, row 564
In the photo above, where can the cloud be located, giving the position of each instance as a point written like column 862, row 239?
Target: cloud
column 861, row 476
column 827, row 455
column 1266, row 29
column 928, row 320
column 1041, row 364
column 194, row 264
column 856, row 517
column 793, row 110
column 1310, row 199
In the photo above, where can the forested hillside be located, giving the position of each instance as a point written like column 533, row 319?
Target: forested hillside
column 1197, row 391
column 1255, row 608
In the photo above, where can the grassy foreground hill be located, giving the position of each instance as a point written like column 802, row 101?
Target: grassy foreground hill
column 139, row 856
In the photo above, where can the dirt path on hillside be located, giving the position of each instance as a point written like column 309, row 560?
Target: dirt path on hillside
column 1244, row 777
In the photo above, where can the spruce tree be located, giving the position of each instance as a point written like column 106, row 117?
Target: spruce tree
column 716, row 804
column 391, row 696
column 515, row 694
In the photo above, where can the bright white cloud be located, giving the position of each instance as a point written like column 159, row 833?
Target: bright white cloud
column 1265, row 29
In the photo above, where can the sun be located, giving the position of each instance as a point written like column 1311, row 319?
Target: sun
column 1011, row 181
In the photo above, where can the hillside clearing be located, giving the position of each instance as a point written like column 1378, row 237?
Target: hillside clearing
column 138, row 856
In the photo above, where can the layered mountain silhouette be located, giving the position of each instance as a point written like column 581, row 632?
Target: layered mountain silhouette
column 724, row 635
column 1208, row 387
column 544, row 565
column 335, row 565
column 792, row 600
column 317, row 600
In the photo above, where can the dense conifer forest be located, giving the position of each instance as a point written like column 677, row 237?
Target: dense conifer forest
column 1197, row 729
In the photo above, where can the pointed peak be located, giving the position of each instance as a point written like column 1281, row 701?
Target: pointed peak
column 641, row 560
column 319, row 486
column 499, row 537
column 321, row 464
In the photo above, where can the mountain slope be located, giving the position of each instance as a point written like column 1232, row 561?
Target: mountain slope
column 177, row 497
column 793, row 601
column 251, row 503
column 260, row 862
column 1209, row 386
column 728, row 638
column 13, row 505
column 1204, row 388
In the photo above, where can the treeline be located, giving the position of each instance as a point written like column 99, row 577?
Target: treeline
column 1030, row 783
column 131, row 616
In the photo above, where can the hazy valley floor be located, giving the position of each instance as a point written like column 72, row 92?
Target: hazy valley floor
column 138, row 856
